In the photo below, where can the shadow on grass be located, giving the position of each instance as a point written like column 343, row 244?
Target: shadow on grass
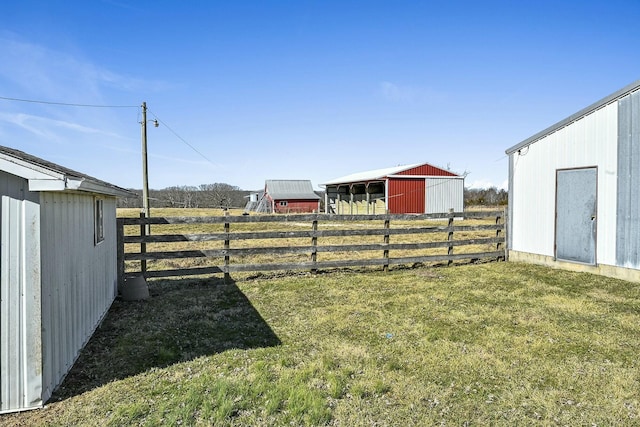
column 183, row 320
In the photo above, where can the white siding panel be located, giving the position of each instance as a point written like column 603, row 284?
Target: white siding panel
column 79, row 278
column 589, row 141
column 443, row 194
column 20, row 340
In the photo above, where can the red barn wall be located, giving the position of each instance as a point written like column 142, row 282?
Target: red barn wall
column 406, row 195
column 427, row 170
column 297, row 206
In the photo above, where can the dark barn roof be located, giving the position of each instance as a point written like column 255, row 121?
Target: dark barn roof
column 280, row 189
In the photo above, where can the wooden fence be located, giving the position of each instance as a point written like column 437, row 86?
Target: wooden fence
column 484, row 230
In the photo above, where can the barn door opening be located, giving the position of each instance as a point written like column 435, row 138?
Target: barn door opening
column 576, row 191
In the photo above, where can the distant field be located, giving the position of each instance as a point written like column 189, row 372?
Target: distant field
column 504, row 344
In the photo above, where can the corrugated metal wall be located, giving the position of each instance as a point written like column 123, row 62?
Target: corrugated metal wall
column 427, row 170
column 628, row 203
column 20, row 361
column 406, row 195
column 79, row 280
column 589, row 141
column 297, row 206
column 56, row 286
column 444, row 194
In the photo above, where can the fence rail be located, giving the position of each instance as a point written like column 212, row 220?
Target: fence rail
column 489, row 235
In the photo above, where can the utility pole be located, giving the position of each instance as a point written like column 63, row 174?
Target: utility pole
column 145, row 171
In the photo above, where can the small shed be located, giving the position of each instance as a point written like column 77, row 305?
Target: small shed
column 58, row 272
column 288, row 196
column 573, row 190
column 253, row 199
column 418, row 188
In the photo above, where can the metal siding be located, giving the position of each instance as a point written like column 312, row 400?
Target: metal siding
column 20, row 340
column 297, row 206
column 79, row 278
column 628, row 203
column 427, row 169
column 577, row 116
column 406, row 195
column 590, row 141
column 443, row 194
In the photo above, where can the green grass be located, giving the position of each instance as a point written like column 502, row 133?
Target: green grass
column 487, row 344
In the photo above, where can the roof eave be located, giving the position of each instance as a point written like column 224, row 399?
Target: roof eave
column 585, row 111
column 27, row 170
column 78, row 184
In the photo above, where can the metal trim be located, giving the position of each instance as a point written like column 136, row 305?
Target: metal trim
column 574, row 117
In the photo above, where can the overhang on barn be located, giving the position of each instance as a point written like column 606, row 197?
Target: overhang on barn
column 573, row 190
column 58, row 273
column 285, row 196
column 417, row 188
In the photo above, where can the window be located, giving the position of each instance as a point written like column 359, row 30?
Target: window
column 99, row 221
column 283, row 203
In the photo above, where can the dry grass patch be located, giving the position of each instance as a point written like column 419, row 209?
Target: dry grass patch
column 303, row 254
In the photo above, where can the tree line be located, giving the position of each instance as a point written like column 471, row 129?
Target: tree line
column 222, row 195
column 217, row 195
column 485, row 197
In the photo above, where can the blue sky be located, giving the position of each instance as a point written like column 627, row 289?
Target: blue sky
column 253, row 90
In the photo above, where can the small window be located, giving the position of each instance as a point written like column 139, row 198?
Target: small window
column 283, row 203
column 99, row 221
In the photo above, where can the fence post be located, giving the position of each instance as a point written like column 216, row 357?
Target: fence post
column 506, row 234
column 314, row 244
column 450, row 236
column 227, row 228
column 143, row 244
column 120, row 250
column 499, row 244
column 385, row 253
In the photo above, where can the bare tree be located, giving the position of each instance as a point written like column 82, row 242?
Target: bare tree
column 485, row 197
column 222, row 195
column 207, row 195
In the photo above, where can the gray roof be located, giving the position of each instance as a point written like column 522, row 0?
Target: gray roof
column 48, row 176
column 580, row 114
column 280, row 189
column 371, row 175
column 377, row 174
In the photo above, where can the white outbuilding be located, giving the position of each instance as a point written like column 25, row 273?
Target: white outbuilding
column 573, row 190
column 58, row 273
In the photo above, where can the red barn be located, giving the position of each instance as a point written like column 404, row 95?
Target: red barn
column 418, row 188
column 290, row 196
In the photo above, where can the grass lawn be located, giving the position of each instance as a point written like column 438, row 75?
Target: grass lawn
column 487, row 344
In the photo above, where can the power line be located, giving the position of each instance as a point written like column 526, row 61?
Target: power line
column 68, row 104
column 181, row 138
column 33, row 101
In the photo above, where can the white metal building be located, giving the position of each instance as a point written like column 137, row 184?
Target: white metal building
column 58, row 272
column 573, row 190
